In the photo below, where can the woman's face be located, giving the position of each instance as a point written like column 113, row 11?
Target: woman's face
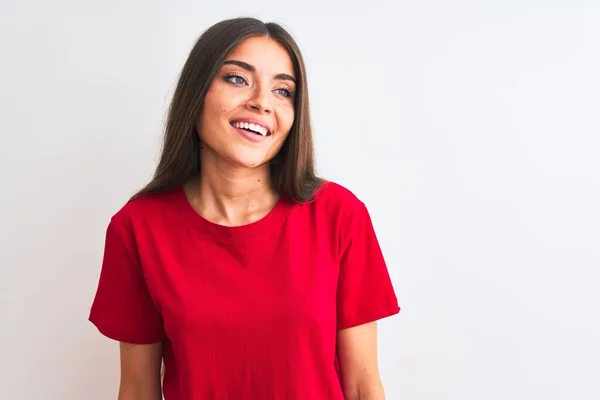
column 249, row 109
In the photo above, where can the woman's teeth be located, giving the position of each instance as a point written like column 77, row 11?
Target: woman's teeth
column 251, row 127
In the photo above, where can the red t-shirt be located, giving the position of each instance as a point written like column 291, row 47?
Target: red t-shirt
column 248, row 312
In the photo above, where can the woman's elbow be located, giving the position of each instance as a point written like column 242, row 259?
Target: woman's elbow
column 367, row 389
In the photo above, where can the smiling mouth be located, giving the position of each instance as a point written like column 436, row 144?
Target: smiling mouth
column 256, row 129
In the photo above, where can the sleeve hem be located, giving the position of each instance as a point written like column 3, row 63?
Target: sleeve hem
column 123, row 336
column 370, row 317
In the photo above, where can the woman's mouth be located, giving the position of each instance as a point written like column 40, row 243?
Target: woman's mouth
column 250, row 127
column 250, row 131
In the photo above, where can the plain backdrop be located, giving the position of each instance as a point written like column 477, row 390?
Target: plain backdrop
column 470, row 129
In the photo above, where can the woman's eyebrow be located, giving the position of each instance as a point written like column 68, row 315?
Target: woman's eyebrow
column 251, row 68
column 285, row 77
column 241, row 64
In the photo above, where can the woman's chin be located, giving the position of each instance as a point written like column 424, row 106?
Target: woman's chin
column 250, row 164
column 249, row 161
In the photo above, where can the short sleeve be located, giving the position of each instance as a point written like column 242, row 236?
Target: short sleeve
column 365, row 291
column 122, row 308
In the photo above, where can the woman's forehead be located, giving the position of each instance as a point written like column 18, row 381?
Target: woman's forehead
column 266, row 55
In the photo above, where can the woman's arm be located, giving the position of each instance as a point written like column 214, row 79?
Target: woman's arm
column 357, row 351
column 140, row 371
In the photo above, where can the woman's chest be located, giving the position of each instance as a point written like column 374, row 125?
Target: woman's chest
column 273, row 282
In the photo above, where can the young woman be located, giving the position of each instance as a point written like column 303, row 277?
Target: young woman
column 249, row 276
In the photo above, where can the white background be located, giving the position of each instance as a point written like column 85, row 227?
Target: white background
column 470, row 129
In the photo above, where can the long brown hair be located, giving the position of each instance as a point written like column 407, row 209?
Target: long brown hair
column 292, row 169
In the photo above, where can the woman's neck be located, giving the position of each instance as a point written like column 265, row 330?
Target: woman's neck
column 230, row 195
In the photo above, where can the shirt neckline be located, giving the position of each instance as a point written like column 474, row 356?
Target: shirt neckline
column 223, row 232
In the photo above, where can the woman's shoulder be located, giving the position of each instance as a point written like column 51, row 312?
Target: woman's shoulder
column 335, row 196
column 145, row 207
column 337, row 204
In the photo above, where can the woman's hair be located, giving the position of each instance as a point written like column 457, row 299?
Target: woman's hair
column 292, row 169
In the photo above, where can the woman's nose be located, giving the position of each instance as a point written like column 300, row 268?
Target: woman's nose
column 259, row 101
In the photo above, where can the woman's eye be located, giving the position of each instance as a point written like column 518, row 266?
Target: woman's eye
column 235, row 79
column 284, row 92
